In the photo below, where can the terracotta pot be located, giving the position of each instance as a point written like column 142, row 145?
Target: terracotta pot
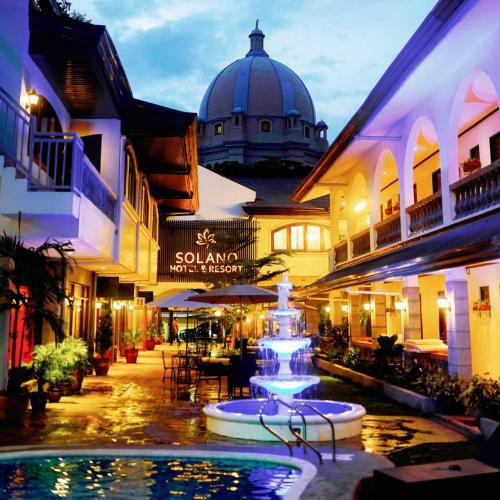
column 13, row 408
column 54, row 395
column 77, row 381
column 101, row 366
column 150, row 344
column 38, row 401
column 131, row 355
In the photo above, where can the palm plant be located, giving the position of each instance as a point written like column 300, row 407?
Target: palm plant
column 33, row 279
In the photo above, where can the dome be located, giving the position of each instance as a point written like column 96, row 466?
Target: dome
column 257, row 85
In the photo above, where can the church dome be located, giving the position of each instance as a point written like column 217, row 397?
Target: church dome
column 257, row 85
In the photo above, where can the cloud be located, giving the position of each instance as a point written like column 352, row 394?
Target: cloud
column 171, row 50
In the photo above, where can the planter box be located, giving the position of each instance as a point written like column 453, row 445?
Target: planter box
column 394, row 392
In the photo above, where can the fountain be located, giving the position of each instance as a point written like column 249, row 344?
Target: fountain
column 240, row 418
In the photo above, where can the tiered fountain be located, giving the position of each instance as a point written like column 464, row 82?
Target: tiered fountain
column 240, row 418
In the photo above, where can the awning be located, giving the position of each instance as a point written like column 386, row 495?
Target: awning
column 464, row 243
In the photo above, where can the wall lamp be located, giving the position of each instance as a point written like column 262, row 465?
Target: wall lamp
column 98, row 305
column 217, row 313
column 327, row 309
column 344, row 307
column 400, row 305
column 367, row 306
column 443, row 303
column 117, row 306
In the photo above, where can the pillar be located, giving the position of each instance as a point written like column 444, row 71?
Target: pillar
column 379, row 318
column 413, row 319
column 457, row 324
column 354, row 306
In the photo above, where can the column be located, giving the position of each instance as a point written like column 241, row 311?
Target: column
column 457, row 324
column 413, row 320
column 354, row 305
column 379, row 318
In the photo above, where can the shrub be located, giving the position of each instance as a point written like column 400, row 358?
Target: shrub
column 351, row 357
column 482, row 393
column 440, row 385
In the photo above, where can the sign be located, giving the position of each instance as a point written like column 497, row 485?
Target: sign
column 190, row 250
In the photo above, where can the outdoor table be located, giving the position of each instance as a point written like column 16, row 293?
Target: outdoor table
column 181, row 364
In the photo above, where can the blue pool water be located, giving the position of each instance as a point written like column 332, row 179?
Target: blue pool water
column 252, row 407
column 144, row 477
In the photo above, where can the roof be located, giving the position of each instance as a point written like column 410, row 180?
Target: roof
column 468, row 242
column 257, row 85
column 273, row 197
column 440, row 20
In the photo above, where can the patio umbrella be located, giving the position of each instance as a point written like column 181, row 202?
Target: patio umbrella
column 237, row 294
column 179, row 301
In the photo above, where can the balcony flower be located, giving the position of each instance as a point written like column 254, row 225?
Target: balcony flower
column 481, row 306
column 470, row 165
column 396, row 207
column 388, row 211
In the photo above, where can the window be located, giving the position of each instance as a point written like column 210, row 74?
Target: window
column 218, row 129
column 302, row 238
column 236, row 121
column 484, row 293
column 130, row 178
column 322, row 134
column 295, row 123
column 474, row 153
column 265, row 126
column 145, row 204
column 495, row 147
column 415, row 198
column 307, row 132
column 280, row 240
column 436, row 180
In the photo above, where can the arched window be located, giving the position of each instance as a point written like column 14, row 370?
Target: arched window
column 145, row 203
column 130, row 179
column 218, row 129
column 301, row 238
column 265, row 126
column 154, row 222
column 307, row 132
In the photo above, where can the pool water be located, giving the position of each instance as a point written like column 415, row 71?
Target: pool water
column 141, row 477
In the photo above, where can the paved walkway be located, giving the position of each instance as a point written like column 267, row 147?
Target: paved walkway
column 132, row 406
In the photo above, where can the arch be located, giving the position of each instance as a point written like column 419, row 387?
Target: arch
column 131, row 177
column 385, row 184
column 47, row 119
column 145, row 202
column 359, row 204
column 422, row 161
column 476, row 99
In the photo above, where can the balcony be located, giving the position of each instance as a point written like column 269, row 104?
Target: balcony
column 388, row 230
column 426, row 214
column 340, row 250
column 477, row 191
column 361, row 243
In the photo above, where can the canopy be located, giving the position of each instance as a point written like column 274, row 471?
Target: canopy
column 179, row 301
column 236, row 294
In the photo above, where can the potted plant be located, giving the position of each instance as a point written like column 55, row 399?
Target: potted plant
column 131, row 339
column 481, row 306
column 75, row 351
column 388, row 211
column 396, row 206
column 388, row 349
column 470, row 165
column 151, row 336
column 104, row 341
column 444, row 390
column 481, row 397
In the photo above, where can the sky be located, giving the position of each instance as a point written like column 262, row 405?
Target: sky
column 172, row 49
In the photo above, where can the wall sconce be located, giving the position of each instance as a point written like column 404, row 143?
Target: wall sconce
column 327, row 309
column 98, row 305
column 117, row 306
column 400, row 305
column 249, row 319
column 360, row 205
column 367, row 306
column 217, row 313
column 130, row 308
column 344, row 307
column 443, row 303
column 33, row 99
column 262, row 316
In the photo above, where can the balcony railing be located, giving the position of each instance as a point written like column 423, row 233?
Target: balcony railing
column 361, row 243
column 340, row 250
column 388, row 230
column 426, row 214
column 477, row 191
column 59, row 164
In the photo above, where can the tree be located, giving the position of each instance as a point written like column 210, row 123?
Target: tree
column 33, row 279
column 68, row 12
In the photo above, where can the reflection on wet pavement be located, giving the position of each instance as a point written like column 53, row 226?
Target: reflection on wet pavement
column 132, row 406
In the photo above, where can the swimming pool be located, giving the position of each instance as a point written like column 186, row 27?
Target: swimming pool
column 143, row 473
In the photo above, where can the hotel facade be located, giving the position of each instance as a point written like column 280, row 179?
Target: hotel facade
column 414, row 187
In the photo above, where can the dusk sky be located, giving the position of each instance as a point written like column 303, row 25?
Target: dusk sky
column 171, row 50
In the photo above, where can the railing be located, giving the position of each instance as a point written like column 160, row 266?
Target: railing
column 340, row 251
column 426, row 214
column 59, row 164
column 361, row 243
column 477, row 191
column 388, row 230
column 15, row 126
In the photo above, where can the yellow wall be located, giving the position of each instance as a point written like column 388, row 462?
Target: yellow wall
column 430, row 286
column 422, row 176
column 485, row 330
column 393, row 319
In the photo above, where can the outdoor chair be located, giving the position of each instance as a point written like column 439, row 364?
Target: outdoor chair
column 206, row 371
column 240, row 372
column 167, row 365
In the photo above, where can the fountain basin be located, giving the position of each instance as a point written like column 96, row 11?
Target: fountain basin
column 240, row 419
column 292, row 384
column 284, row 346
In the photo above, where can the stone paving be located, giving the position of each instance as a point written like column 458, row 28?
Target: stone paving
column 131, row 406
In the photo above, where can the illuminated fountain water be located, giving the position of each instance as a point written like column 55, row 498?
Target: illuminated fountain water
column 240, row 418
